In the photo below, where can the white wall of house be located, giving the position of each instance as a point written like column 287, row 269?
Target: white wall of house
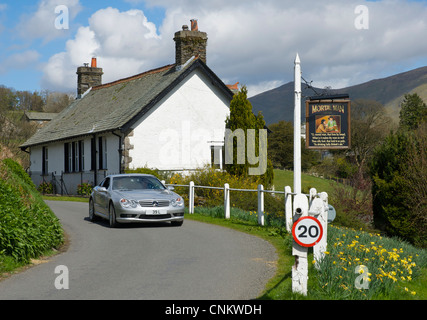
column 36, row 159
column 177, row 134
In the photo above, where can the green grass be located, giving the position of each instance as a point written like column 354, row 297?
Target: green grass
column 67, row 198
column 283, row 178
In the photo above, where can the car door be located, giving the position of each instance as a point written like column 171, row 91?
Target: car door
column 103, row 196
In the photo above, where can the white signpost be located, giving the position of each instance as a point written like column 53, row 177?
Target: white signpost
column 310, row 214
column 297, row 126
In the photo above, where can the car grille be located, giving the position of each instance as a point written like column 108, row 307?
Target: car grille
column 154, row 217
column 154, row 203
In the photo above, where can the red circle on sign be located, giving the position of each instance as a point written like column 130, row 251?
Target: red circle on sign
column 307, row 231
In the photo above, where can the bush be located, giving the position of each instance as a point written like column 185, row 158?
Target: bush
column 45, row 188
column 399, row 185
column 28, row 228
column 84, row 189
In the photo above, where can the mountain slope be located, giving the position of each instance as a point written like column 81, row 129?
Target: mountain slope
column 278, row 104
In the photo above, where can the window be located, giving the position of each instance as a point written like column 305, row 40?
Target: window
column 105, row 183
column 102, row 150
column 45, row 161
column 74, row 156
column 82, row 155
column 137, row 183
column 68, row 157
column 217, row 157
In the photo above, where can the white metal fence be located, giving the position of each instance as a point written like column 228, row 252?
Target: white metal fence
column 288, row 198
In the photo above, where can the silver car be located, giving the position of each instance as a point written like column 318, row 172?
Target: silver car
column 135, row 198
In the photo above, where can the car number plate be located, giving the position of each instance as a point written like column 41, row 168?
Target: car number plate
column 155, row 212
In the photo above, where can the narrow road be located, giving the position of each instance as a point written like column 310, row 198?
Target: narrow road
column 145, row 261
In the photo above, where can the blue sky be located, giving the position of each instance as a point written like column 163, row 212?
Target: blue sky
column 253, row 42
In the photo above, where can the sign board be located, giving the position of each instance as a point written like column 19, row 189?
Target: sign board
column 328, row 123
column 331, row 213
column 307, row 231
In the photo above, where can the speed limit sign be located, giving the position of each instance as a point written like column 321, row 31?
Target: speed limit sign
column 307, row 231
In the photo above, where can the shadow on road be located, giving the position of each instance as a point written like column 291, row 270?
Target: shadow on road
column 141, row 225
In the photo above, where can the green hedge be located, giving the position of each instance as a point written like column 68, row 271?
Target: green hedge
column 28, row 228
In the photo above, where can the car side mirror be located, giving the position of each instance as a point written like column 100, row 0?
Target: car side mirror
column 102, row 189
column 171, row 188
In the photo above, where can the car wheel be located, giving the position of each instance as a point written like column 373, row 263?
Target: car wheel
column 92, row 215
column 177, row 223
column 112, row 216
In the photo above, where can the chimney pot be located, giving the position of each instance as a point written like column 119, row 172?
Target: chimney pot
column 93, row 65
column 184, row 27
column 194, row 26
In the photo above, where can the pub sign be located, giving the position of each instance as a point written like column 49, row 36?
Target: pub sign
column 328, row 122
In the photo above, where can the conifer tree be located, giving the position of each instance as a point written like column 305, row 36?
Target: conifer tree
column 240, row 120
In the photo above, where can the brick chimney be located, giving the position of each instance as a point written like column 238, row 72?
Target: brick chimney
column 189, row 43
column 88, row 77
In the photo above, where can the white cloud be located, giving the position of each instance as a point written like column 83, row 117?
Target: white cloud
column 20, row 60
column 125, row 43
column 254, row 89
column 255, row 42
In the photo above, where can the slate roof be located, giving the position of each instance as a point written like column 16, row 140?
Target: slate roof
column 40, row 116
column 119, row 104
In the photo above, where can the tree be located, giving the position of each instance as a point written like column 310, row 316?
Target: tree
column 413, row 112
column 369, row 126
column 399, row 174
column 55, row 101
column 281, row 146
column 241, row 120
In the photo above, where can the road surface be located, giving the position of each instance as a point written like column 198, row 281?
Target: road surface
column 197, row 261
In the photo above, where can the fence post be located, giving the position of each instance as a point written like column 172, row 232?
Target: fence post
column 320, row 248
column 191, row 198
column 227, row 201
column 260, row 205
column 300, row 268
column 288, row 208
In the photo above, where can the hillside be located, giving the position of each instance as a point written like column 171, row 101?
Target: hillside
column 278, row 104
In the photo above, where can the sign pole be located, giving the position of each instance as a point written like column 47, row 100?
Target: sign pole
column 300, row 205
column 297, row 126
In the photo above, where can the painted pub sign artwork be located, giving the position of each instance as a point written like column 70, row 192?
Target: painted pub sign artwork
column 328, row 122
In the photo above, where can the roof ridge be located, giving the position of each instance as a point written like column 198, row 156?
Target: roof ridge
column 137, row 76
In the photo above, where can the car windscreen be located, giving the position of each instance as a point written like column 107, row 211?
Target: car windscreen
column 137, row 183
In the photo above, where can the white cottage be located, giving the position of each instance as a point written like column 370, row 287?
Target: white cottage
column 169, row 118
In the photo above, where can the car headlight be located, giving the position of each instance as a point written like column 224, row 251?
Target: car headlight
column 178, row 202
column 125, row 203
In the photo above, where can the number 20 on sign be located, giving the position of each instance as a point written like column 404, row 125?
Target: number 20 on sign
column 307, row 231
